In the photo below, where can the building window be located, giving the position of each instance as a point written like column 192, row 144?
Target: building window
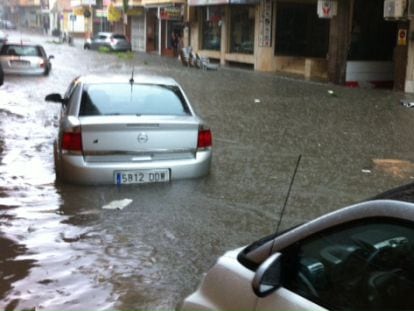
column 242, row 29
column 372, row 37
column 212, row 19
column 300, row 32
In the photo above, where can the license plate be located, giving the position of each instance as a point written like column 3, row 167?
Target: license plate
column 142, row 176
column 19, row 63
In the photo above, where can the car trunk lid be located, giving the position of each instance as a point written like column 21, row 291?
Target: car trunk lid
column 133, row 138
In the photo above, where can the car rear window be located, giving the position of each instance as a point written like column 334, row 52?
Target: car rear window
column 119, row 37
column 135, row 99
column 20, row 50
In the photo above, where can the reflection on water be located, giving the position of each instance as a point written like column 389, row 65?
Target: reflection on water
column 11, row 269
column 41, row 265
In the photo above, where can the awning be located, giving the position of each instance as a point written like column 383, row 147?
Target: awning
column 207, row 2
column 244, row 1
column 220, row 2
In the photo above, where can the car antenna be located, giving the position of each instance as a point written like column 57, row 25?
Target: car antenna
column 288, row 193
column 131, row 81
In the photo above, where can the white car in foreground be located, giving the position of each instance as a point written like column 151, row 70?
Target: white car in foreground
column 129, row 130
column 357, row 258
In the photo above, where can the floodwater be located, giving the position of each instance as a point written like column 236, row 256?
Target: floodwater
column 62, row 249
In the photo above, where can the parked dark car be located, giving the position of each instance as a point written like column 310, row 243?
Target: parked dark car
column 1, row 75
column 109, row 40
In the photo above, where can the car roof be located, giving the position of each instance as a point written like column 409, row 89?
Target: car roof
column 370, row 209
column 109, row 33
column 8, row 43
column 125, row 78
column 373, row 209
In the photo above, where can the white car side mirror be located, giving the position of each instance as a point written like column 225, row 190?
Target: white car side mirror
column 268, row 276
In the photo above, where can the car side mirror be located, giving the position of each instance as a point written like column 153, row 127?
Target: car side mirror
column 57, row 98
column 268, row 276
column 51, row 57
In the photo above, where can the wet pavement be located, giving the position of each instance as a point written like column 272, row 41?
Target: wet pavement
column 61, row 250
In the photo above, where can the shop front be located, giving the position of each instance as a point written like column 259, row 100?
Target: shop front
column 224, row 30
column 164, row 27
column 136, row 16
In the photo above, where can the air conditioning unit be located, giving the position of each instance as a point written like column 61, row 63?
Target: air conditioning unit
column 395, row 9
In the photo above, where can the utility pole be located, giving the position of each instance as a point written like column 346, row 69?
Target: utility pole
column 339, row 41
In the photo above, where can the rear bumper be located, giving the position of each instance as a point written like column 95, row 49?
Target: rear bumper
column 120, row 48
column 31, row 71
column 74, row 169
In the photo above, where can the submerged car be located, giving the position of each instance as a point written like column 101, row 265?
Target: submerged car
column 109, row 40
column 357, row 258
column 127, row 130
column 25, row 59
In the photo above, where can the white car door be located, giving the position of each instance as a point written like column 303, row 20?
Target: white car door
column 284, row 299
column 362, row 265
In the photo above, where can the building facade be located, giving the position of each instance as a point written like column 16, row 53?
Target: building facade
column 352, row 42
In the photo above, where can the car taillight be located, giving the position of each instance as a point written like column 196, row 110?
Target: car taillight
column 42, row 64
column 205, row 138
column 72, row 141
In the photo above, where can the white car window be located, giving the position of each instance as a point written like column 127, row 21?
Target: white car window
column 364, row 266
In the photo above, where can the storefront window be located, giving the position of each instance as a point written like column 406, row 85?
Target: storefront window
column 212, row 19
column 300, row 32
column 372, row 37
column 242, row 29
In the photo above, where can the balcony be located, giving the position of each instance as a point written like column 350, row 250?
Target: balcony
column 28, row 3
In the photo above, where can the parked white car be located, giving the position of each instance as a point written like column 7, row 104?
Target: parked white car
column 357, row 258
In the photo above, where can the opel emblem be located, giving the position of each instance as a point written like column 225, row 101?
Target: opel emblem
column 142, row 138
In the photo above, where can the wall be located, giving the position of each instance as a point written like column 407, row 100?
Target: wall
column 409, row 82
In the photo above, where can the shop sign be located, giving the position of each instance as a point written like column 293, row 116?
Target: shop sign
column 75, row 3
column 78, row 11
column 114, row 15
column 135, row 11
column 327, row 8
column 402, row 36
column 101, row 13
column 171, row 13
column 207, row 2
column 265, row 22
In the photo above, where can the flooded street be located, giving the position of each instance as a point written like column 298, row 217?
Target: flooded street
column 64, row 249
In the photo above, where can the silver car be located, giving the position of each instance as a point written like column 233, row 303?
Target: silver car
column 109, row 40
column 25, row 58
column 129, row 130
